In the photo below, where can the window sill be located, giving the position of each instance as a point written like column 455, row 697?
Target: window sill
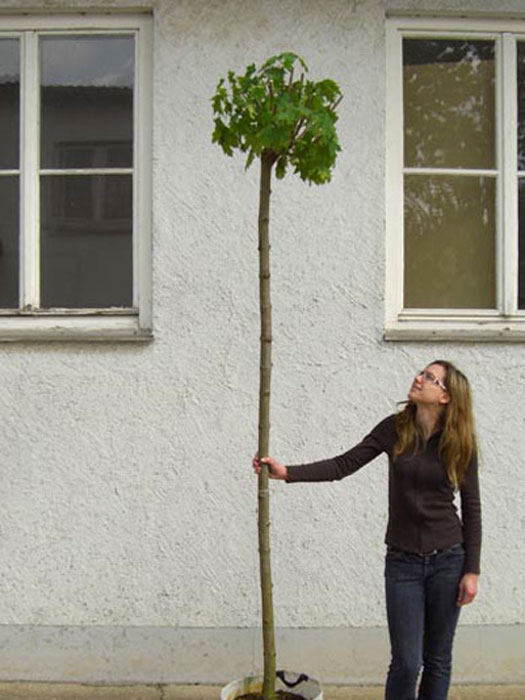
column 511, row 329
column 75, row 327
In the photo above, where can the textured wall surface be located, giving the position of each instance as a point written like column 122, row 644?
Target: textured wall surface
column 128, row 497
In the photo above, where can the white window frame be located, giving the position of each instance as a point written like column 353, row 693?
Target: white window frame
column 507, row 322
column 28, row 323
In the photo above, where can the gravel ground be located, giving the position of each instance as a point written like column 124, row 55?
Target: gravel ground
column 72, row 691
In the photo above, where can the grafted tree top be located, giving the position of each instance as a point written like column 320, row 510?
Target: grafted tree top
column 276, row 111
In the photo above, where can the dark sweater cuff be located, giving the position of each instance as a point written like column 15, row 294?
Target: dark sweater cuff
column 471, row 563
column 471, row 568
column 292, row 474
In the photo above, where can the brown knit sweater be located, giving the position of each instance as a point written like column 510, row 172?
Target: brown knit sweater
column 422, row 516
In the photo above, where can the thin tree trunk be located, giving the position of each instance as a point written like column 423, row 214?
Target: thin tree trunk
column 267, row 160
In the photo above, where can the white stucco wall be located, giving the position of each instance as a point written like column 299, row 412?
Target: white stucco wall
column 128, row 495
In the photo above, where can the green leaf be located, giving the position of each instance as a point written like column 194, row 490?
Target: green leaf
column 329, row 89
column 280, row 168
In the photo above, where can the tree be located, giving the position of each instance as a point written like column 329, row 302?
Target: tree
column 287, row 123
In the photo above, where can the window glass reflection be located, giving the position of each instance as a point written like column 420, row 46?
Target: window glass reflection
column 9, row 102
column 87, row 101
column 449, row 242
column 521, row 286
column 86, row 241
column 521, row 105
column 9, row 242
column 448, row 93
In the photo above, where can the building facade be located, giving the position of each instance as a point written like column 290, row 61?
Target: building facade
column 129, row 321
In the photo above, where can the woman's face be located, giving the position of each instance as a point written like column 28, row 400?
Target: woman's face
column 428, row 387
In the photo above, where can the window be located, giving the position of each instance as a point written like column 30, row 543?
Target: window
column 75, row 151
column 455, row 180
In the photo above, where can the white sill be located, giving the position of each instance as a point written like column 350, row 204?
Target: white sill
column 458, row 329
column 75, row 327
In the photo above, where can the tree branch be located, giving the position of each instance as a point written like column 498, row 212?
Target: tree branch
column 270, row 90
column 294, row 134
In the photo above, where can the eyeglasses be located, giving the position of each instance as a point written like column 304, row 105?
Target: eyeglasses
column 429, row 377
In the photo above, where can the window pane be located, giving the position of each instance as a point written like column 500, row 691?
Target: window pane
column 9, row 238
column 87, row 101
column 448, row 93
column 9, row 102
column 86, row 241
column 521, row 290
column 449, row 242
column 521, row 105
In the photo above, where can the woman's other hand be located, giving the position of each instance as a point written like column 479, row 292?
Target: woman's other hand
column 468, row 587
column 275, row 470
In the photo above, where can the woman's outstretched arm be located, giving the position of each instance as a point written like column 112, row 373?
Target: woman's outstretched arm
column 380, row 439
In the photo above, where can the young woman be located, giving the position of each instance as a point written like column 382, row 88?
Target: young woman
column 432, row 558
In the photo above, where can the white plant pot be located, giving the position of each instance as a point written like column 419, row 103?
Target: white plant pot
column 298, row 683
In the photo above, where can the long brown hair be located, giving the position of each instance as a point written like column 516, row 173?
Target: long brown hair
column 457, row 444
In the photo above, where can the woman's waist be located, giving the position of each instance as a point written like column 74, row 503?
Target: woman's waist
column 456, row 547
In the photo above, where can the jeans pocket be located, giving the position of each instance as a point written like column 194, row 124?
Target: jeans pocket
column 401, row 567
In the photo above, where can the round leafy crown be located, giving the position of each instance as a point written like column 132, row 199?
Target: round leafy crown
column 268, row 112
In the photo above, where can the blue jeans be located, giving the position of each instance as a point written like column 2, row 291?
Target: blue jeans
column 421, row 595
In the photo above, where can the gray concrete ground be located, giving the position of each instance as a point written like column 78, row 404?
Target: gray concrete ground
column 71, row 691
